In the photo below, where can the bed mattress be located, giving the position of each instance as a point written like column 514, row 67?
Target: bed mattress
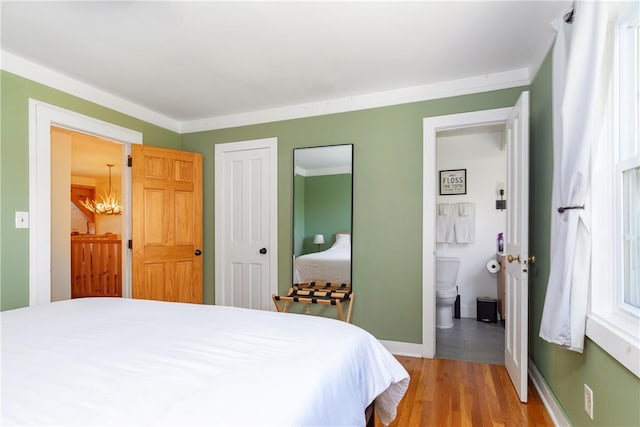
column 115, row 361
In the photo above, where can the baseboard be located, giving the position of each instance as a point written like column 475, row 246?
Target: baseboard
column 467, row 310
column 548, row 399
column 403, row 348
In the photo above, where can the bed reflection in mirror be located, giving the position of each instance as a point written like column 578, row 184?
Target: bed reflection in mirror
column 322, row 214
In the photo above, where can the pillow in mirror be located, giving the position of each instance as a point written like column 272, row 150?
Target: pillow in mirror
column 343, row 240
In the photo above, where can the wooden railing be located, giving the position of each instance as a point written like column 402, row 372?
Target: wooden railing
column 96, row 266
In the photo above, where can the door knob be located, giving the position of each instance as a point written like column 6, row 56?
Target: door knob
column 197, row 252
column 263, row 251
column 531, row 259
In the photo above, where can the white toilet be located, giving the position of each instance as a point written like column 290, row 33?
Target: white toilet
column 446, row 291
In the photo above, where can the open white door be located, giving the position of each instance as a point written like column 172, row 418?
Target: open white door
column 246, row 223
column 517, row 241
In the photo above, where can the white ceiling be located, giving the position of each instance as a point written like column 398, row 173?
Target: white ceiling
column 197, row 60
column 327, row 160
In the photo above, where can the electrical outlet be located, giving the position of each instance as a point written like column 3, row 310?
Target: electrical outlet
column 588, row 401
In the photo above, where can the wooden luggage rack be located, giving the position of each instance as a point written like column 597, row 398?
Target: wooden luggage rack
column 324, row 293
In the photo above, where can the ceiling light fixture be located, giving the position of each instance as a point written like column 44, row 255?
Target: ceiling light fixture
column 109, row 203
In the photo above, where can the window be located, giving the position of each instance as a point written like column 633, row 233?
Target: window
column 630, row 238
column 627, row 166
column 614, row 317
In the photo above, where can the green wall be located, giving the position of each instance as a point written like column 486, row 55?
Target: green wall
column 14, row 170
column 298, row 214
column 327, row 209
column 387, row 177
column 616, row 390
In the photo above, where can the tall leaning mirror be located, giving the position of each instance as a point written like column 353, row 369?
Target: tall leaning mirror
column 322, row 214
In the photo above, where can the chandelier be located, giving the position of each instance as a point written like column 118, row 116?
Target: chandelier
column 107, row 204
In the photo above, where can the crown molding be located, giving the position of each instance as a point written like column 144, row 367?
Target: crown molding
column 38, row 73
column 488, row 82
column 484, row 83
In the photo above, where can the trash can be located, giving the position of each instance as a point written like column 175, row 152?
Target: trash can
column 487, row 310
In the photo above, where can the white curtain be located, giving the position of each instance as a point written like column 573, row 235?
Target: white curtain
column 580, row 80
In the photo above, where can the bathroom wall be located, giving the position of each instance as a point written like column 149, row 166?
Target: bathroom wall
column 480, row 151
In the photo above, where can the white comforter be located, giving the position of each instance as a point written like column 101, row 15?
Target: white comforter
column 332, row 265
column 105, row 361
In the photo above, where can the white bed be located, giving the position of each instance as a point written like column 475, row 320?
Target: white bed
column 332, row 265
column 114, row 361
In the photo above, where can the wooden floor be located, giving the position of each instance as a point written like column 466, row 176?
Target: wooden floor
column 458, row 393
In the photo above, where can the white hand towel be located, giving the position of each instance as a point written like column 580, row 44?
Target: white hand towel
column 444, row 223
column 465, row 224
column 464, row 209
column 443, row 209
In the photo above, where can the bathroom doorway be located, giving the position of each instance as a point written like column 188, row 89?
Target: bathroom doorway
column 471, row 168
column 516, row 237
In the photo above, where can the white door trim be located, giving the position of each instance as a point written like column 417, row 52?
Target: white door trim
column 431, row 126
column 41, row 117
column 272, row 145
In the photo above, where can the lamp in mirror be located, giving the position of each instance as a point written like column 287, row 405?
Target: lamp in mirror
column 318, row 239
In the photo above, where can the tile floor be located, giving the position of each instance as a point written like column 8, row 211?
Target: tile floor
column 472, row 341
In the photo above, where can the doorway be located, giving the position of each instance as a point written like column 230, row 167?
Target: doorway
column 42, row 117
column 86, row 246
column 467, row 225
column 516, row 121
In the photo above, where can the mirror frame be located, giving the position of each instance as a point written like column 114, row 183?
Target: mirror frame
column 293, row 208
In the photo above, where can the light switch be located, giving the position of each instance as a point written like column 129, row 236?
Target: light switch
column 22, row 219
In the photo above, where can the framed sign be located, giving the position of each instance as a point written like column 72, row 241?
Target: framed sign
column 453, row 181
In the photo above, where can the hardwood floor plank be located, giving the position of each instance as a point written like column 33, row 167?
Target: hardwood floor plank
column 458, row 393
column 406, row 407
column 480, row 390
column 500, row 396
column 495, row 413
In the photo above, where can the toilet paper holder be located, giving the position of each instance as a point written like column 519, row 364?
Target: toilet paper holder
column 493, row 266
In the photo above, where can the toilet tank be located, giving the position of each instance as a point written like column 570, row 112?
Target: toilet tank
column 447, row 270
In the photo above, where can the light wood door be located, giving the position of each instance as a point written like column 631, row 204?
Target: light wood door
column 166, row 224
column 517, row 246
